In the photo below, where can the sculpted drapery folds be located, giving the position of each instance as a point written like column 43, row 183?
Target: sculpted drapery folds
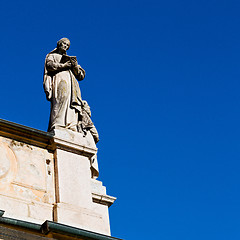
column 62, row 88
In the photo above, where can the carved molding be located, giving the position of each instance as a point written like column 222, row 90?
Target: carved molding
column 103, row 199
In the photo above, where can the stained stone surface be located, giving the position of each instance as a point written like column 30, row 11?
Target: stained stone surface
column 47, row 176
column 76, row 190
column 27, row 180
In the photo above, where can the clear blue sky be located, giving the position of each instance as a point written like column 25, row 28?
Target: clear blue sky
column 163, row 82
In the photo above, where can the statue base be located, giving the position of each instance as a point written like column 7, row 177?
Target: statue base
column 48, row 176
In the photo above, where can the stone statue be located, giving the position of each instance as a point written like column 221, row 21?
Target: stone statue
column 62, row 88
column 68, row 110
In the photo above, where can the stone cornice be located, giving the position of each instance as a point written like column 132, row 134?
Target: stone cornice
column 73, row 142
column 48, row 140
column 103, row 199
column 25, row 134
column 72, row 147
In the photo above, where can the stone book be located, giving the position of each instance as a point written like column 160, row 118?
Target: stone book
column 66, row 58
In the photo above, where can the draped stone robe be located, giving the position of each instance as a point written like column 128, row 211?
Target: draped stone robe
column 62, row 89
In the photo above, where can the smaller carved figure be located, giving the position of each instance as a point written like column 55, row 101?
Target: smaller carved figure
column 87, row 124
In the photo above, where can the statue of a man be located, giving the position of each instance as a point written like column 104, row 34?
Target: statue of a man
column 62, row 88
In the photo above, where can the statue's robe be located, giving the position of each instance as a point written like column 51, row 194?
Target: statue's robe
column 62, row 89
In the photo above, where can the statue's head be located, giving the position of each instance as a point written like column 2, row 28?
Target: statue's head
column 63, row 44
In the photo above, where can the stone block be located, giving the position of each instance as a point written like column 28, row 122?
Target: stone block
column 40, row 211
column 25, row 210
column 82, row 218
column 73, row 179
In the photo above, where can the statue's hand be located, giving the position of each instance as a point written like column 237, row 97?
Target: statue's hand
column 67, row 64
column 74, row 62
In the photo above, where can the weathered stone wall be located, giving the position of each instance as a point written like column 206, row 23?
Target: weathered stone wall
column 47, row 176
column 26, row 180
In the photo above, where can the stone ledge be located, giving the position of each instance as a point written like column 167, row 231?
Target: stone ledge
column 25, row 134
column 73, row 142
column 72, row 147
column 103, row 199
column 63, row 139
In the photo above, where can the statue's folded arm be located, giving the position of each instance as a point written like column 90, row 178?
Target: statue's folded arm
column 52, row 65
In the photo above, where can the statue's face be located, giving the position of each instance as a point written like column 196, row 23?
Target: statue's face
column 64, row 46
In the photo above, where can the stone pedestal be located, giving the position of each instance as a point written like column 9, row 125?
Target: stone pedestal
column 47, row 176
column 77, row 194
